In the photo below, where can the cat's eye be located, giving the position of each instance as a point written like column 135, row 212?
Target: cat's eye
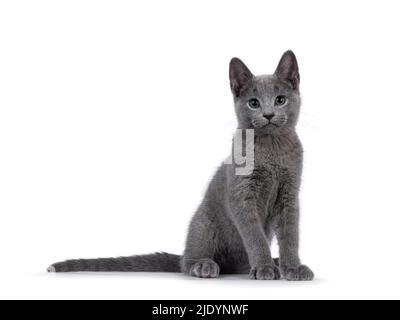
column 253, row 103
column 280, row 101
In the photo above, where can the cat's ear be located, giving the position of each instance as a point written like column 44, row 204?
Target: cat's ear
column 239, row 76
column 288, row 70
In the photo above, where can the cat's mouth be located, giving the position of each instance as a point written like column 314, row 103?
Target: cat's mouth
column 260, row 124
column 266, row 125
column 270, row 125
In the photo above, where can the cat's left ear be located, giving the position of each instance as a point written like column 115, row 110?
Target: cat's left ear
column 288, row 70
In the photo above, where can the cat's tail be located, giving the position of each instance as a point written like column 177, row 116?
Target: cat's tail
column 157, row 262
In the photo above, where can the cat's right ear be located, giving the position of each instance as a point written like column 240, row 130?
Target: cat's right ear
column 239, row 76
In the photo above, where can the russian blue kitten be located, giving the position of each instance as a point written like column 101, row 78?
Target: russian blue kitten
column 231, row 232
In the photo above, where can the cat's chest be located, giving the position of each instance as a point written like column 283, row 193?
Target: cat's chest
column 278, row 155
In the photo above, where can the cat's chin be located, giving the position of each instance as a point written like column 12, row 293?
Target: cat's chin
column 267, row 129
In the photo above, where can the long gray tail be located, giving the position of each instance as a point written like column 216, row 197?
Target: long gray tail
column 157, row 262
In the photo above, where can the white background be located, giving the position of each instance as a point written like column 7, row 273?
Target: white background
column 115, row 114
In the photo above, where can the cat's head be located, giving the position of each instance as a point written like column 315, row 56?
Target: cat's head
column 266, row 103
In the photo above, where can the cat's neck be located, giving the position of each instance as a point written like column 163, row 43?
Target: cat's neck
column 281, row 142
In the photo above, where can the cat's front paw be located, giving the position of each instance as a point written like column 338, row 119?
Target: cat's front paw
column 206, row 268
column 265, row 272
column 299, row 273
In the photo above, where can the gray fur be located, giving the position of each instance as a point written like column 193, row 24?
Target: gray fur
column 231, row 232
column 157, row 262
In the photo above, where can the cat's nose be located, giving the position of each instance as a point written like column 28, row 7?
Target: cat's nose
column 269, row 116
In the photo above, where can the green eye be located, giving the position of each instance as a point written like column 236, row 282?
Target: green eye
column 253, row 104
column 280, row 100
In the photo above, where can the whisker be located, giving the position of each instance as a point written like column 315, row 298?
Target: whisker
column 309, row 126
column 303, row 113
column 310, row 116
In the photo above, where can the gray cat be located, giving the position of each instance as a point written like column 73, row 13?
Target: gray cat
column 231, row 232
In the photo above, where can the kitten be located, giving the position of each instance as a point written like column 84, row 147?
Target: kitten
column 232, row 230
